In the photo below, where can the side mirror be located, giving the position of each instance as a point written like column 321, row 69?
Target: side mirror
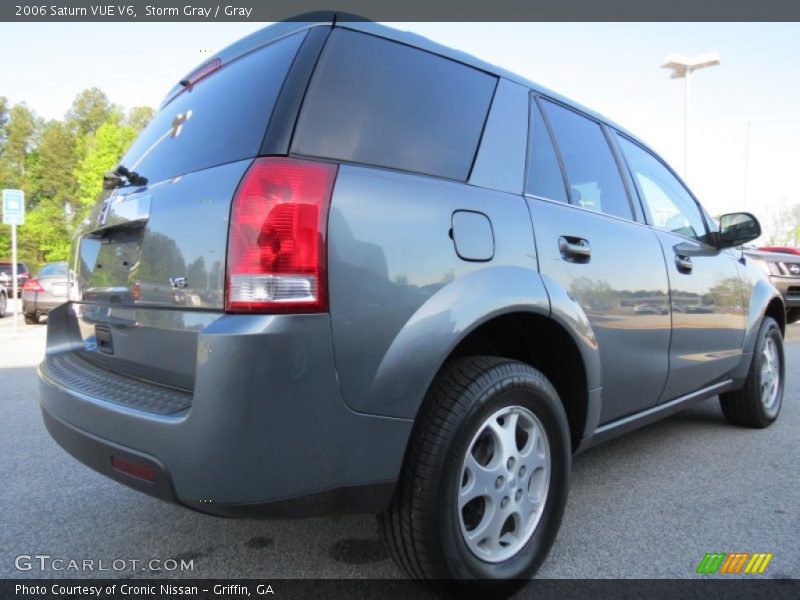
column 736, row 229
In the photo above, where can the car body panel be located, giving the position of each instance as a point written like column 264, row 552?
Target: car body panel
column 708, row 315
column 632, row 347
column 394, row 271
column 268, row 406
column 500, row 163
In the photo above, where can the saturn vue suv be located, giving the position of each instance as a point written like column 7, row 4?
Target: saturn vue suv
column 345, row 269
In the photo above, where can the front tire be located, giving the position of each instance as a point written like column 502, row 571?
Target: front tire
column 31, row 319
column 485, row 479
column 759, row 401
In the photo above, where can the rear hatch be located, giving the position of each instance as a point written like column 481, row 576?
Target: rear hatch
column 149, row 269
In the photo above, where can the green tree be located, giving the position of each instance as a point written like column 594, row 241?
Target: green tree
column 52, row 165
column 102, row 153
column 140, row 116
column 20, row 135
column 3, row 121
column 90, row 110
column 50, row 188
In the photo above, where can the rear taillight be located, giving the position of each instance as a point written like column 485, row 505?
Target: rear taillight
column 32, row 285
column 201, row 72
column 276, row 240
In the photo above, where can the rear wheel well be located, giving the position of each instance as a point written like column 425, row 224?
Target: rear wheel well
column 546, row 346
column 777, row 311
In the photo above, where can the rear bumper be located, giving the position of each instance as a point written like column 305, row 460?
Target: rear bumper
column 36, row 301
column 267, row 433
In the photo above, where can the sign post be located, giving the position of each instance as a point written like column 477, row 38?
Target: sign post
column 14, row 214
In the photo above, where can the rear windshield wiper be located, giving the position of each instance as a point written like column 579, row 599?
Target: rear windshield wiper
column 113, row 179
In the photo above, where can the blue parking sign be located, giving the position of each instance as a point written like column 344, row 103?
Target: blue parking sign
column 13, row 207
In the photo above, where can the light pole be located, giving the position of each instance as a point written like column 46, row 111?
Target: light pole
column 683, row 67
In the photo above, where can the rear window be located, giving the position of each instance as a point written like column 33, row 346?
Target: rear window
column 221, row 119
column 381, row 103
column 53, row 269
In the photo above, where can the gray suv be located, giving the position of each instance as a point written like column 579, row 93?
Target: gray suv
column 346, row 269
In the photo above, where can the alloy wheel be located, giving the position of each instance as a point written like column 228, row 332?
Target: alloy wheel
column 505, row 477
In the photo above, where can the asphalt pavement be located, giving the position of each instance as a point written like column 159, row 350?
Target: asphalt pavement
column 646, row 505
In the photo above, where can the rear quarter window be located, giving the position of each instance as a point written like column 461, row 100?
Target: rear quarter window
column 377, row 102
column 220, row 119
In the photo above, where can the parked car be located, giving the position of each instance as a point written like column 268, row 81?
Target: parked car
column 3, row 301
column 783, row 270
column 408, row 299
column 7, row 276
column 44, row 292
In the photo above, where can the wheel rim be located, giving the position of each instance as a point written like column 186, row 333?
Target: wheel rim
column 505, row 477
column 770, row 373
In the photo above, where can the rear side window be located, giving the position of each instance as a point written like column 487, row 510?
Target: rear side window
column 381, row 103
column 671, row 207
column 544, row 173
column 220, row 119
column 592, row 172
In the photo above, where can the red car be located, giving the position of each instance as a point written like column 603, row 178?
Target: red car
column 786, row 249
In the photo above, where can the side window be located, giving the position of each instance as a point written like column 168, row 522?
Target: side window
column 592, row 172
column 377, row 102
column 544, row 173
column 670, row 206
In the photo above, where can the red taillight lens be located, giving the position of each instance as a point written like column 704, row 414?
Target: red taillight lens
column 134, row 469
column 276, row 243
column 201, row 72
column 32, row 285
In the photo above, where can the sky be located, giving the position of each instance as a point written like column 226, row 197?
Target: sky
column 613, row 68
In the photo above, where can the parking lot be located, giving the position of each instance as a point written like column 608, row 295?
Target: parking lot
column 647, row 505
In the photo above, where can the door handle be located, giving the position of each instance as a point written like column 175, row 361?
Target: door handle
column 684, row 263
column 574, row 249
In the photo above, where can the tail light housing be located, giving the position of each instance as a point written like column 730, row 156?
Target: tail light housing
column 277, row 238
column 32, row 285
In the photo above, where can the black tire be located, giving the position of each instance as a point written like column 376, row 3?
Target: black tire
column 31, row 319
column 3, row 305
column 745, row 407
column 422, row 527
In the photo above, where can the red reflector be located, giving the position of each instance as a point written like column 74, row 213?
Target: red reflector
column 32, row 285
column 276, row 243
column 136, row 470
column 201, row 72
